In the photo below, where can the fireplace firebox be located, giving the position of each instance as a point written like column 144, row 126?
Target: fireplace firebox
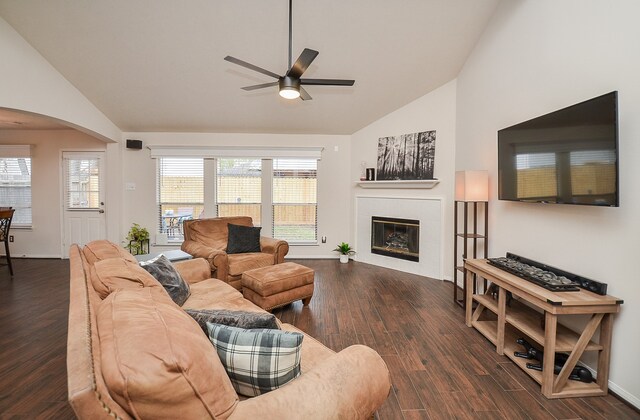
column 398, row 238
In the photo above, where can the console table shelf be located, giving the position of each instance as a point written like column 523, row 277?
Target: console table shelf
column 519, row 320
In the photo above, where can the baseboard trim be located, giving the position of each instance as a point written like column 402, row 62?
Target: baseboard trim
column 627, row 398
column 42, row 256
column 311, row 257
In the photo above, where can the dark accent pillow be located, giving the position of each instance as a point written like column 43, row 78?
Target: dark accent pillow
column 243, row 239
column 240, row 319
column 162, row 269
column 257, row 361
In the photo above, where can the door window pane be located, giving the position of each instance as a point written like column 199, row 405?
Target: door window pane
column 83, row 186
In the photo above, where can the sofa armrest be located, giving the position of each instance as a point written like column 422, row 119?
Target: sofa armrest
column 351, row 384
column 277, row 247
column 193, row 271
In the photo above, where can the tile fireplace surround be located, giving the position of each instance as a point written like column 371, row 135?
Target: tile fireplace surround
column 427, row 210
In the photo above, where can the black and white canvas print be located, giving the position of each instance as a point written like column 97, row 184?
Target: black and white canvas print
column 405, row 157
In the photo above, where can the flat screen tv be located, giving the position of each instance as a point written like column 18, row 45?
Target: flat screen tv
column 569, row 156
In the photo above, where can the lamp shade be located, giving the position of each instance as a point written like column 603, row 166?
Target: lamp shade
column 472, row 186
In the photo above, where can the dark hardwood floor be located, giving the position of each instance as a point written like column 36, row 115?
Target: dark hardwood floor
column 439, row 367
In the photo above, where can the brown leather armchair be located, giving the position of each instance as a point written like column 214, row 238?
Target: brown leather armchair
column 207, row 238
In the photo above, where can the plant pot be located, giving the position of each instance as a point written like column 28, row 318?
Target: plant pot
column 344, row 258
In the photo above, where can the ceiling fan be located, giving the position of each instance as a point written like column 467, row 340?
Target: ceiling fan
column 290, row 85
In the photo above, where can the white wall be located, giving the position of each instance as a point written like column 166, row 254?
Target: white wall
column 536, row 57
column 30, row 83
column 334, row 200
column 434, row 111
column 44, row 239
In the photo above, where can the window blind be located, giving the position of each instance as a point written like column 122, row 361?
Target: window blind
column 15, row 183
column 239, row 188
column 295, row 200
column 180, row 194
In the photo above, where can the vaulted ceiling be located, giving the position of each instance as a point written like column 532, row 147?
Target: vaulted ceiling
column 157, row 65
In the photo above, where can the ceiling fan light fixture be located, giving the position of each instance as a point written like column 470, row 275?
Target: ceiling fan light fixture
column 289, row 87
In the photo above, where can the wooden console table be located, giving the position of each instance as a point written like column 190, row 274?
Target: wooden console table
column 518, row 320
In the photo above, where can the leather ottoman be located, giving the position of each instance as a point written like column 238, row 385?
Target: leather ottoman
column 277, row 285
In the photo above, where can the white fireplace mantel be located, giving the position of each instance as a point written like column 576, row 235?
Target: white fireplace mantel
column 412, row 184
column 427, row 210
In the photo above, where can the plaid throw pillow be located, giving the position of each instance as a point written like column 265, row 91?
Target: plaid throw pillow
column 257, row 361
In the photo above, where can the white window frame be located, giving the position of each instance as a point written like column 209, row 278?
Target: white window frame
column 20, row 152
column 211, row 153
column 159, row 203
column 293, row 242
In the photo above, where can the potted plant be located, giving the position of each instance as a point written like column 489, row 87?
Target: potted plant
column 345, row 251
column 138, row 238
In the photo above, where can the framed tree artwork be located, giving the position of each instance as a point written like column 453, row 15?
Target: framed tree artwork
column 406, row 157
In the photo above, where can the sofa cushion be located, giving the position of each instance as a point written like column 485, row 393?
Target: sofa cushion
column 257, row 361
column 239, row 263
column 216, row 294
column 243, row 239
column 162, row 270
column 240, row 319
column 118, row 273
column 155, row 360
column 102, row 250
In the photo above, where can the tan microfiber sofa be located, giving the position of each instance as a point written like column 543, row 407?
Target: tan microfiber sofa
column 207, row 238
column 114, row 346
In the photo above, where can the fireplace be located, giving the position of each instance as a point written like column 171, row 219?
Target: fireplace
column 398, row 238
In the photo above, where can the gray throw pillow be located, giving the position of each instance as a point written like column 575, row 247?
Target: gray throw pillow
column 243, row 239
column 240, row 319
column 257, row 361
column 163, row 271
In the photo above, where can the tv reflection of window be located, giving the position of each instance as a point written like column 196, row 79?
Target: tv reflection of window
column 593, row 172
column 536, row 175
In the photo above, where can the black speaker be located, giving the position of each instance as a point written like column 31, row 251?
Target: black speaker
column 134, row 144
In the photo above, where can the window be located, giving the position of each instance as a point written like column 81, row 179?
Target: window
column 275, row 186
column 83, row 184
column 15, row 183
column 239, row 188
column 180, row 194
column 295, row 202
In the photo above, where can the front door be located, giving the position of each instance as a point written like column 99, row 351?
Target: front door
column 83, row 198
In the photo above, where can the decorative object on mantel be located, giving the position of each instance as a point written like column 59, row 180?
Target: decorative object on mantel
column 472, row 187
column 409, row 184
column 345, row 251
column 407, row 157
column 371, row 174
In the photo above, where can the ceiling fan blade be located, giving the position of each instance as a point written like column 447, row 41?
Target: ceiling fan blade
column 304, row 95
column 250, row 66
column 302, row 63
column 263, row 85
column 327, row 82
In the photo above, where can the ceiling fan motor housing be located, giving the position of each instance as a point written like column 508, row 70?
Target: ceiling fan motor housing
column 289, row 83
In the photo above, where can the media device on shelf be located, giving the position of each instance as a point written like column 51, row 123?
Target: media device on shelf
column 550, row 278
column 569, row 156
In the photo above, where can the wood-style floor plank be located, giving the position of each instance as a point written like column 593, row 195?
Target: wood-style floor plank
column 440, row 369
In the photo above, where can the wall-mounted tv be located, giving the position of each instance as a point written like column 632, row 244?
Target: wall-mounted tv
column 569, row 156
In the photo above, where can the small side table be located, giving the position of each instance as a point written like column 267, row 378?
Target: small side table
column 172, row 255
